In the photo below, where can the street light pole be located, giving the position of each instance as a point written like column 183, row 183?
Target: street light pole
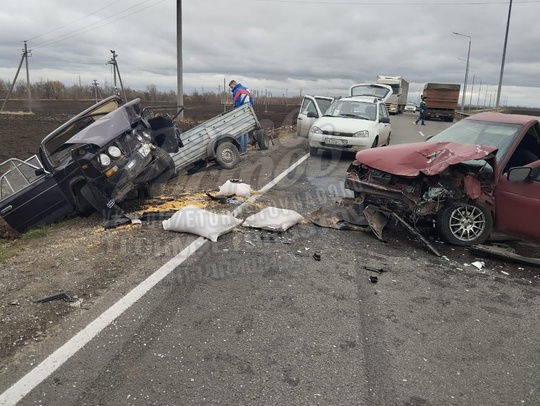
column 503, row 57
column 466, row 70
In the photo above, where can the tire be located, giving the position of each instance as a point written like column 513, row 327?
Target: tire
column 262, row 140
column 464, row 224
column 94, row 196
column 375, row 142
column 167, row 170
column 227, row 155
column 388, row 140
column 167, row 163
column 313, row 151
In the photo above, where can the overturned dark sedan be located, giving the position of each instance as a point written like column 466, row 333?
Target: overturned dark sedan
column 476, row 177
column 94, row 161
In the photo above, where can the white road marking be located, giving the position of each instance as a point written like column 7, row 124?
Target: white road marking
column 54, row 361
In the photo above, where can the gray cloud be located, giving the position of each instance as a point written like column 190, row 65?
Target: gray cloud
column 286, row 47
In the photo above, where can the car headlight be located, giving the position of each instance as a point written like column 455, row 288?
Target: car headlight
column 104, row 160
column 316, row 130
column 361, row 134
column 142, row 136
column 114, row 151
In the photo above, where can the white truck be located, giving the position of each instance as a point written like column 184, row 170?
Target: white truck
column 397, row 101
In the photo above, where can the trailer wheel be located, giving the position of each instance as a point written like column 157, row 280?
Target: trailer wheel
column 262, row 139
column 227, row 155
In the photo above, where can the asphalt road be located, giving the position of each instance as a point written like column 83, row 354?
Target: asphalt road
column 255, row 319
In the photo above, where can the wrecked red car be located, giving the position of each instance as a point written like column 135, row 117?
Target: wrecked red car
column 478, row 176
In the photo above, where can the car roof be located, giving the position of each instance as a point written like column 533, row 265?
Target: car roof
column 364, row 99
column 504, row 118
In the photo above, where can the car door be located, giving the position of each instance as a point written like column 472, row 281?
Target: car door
column 312, row 108
column 517, row 205
column 30, row 196
column 384, row 128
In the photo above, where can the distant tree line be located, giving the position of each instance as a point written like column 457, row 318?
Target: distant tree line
column 56, row 90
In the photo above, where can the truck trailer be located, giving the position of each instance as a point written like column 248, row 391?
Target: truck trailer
column 441, row 100
column 397, row 101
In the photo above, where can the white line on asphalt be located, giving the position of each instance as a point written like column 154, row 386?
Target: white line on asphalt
column 54, row 361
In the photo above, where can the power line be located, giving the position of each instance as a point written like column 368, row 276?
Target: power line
column 94, row 26
column 73, row 22
column 398, row 3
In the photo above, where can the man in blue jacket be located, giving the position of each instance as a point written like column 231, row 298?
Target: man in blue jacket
column 241, row 96
column 422, row 115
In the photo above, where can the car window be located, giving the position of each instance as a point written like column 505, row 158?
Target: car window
column 383, row 111
column 352, row 109
column 16, row 174
column 308, row 107
column 324, row 104
column 499, row 135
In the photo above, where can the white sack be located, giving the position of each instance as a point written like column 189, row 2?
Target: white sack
column 191, row 219
column 234, row 188
column 273, row 219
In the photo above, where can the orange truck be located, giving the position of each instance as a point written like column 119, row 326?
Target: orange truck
column 441, row 100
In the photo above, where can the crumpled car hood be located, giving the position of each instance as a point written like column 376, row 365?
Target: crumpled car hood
column 109, row 127
column 429, row 158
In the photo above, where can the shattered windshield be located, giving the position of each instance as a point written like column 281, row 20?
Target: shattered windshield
column 499, row 135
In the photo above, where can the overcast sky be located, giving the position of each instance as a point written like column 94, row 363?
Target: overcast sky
column 284, row 47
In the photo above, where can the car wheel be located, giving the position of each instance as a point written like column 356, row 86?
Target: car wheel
column 375, row 142
column 464, row 224
column 167, row 162
column 262, row 139
column 227, row 155
column 95, row 197
column 388, row 140
column 313, row 151
column 167, row 171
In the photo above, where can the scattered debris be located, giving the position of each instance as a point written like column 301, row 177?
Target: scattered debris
column 504, row 253
column 374, row 279
column 317, row 256
column 478, row 264
column 371, row 269
column 344, row 214
column 58, row 296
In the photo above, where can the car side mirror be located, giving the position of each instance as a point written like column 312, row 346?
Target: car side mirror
column 385, row 120
column 519, row 173
column 312, row 114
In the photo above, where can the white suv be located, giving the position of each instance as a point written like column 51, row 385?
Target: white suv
column 354, row 123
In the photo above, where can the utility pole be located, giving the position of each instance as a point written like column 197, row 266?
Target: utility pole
column 24, row 56
column 28, row 79
column 179, row 65
column 472, row 90
column 96, row 91
column 116, row 71
column 478, row 99
column 503, row 57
